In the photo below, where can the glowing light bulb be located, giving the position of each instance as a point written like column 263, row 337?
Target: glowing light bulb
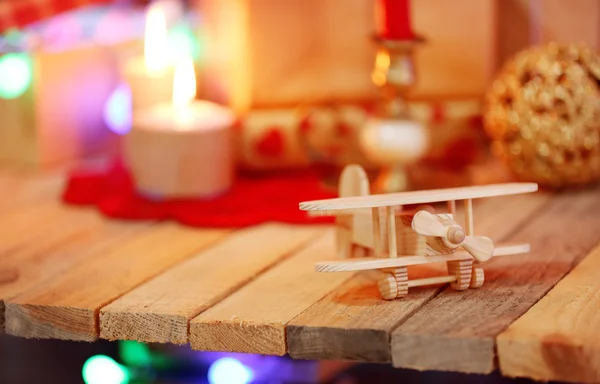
column 15, row 75
column 156, row 43
column 135, row 353
column 228, row 370
column 117, row 110
column 183, row 43
column 102, row 369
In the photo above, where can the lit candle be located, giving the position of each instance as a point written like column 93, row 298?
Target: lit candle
column 182, row 148
column 150, row 76
column 393, row 19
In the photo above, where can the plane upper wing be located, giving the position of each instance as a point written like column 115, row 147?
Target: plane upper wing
column 418, row 197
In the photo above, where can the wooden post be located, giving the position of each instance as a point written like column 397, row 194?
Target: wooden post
column 469, row 217
column 393, row 251
column 451, row 207
column 477, row 273
column 376, row 232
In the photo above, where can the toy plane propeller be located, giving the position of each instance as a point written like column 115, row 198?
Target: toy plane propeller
column 427, row 224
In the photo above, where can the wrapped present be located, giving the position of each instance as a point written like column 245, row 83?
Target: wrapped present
column 58, row 80
column 273, row 53
column 329, row 134
column 61, row 113
column 270, row 139
column 523, row 23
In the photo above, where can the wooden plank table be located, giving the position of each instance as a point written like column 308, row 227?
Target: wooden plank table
column 69, row 273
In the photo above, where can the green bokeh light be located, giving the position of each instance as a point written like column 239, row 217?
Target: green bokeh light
column 135, row 354
column 15, row 75
column 184, row 42
column 100, row 369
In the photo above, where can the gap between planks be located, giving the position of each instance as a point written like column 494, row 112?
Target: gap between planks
column 354, row 323
column 67, row 305
column 557, row 339
column 253, row 319
column 456, row 331
column 160, row 310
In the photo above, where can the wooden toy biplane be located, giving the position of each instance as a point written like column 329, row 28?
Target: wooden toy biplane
column 369, row 240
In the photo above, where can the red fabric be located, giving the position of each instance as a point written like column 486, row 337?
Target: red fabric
column 252, row 200
column 19, row 13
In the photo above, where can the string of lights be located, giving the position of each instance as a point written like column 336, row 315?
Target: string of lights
column 139, row 363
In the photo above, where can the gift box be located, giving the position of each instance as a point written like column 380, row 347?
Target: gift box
column 56, row 86
column 272, row 53
column 522, row 23
column 329, row 134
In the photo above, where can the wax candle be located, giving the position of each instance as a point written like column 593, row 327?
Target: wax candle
column 183, row 148
column 393, row 19
column 150, row 76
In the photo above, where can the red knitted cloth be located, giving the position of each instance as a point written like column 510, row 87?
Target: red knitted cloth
column 252, row 200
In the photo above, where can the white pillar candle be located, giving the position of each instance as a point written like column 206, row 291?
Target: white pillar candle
column 181, row 149
column 147, row 88
column 150, row 76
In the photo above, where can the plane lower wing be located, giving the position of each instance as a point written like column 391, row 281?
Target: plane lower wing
column 370, row 263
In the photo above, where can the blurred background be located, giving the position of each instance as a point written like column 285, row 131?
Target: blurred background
column 313, row 83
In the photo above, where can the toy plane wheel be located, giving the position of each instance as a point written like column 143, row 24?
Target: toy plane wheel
column 393, row 285
column 461, row 269
column 387, row 286
column 477, row 277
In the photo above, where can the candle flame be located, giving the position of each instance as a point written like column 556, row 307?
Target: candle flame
column 156, row 40
column 184, row 83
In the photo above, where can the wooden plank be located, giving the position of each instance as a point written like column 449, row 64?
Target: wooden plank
column 52, row 226
column 253, row 319
column 59, row 244
column 557, row 339
column 354, row 323
column 24, row 189
column 19, row 227
column 7, row 276
column 160, row 310
column 67, row 306
column 419, row 197
column 456, row 330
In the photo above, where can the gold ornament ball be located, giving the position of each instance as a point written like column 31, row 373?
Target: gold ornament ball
column 543, row 115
